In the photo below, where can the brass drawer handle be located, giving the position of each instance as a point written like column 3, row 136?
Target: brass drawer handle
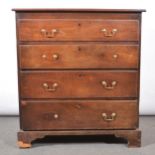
column 55, row 56
column 52, row 88
column 49, row 34
column 50, row 116
column 56, row 116
column 44, row 56
column 112, row 117
column 115, row 56
column 109, row 34
column 106, row 86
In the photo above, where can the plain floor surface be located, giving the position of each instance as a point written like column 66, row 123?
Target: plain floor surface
column 75, row 146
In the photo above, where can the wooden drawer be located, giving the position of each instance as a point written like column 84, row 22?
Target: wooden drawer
column 78, row 30
column 59, row 115
column 78, row 84
column 83, row 55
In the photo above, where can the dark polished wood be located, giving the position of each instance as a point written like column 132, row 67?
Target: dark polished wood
column 78, row 10
column 78, row 73
column 94, row 55
column 63, row 115
column 133, row 137
column 78, row 15
column 78, row 30
column 78, row 84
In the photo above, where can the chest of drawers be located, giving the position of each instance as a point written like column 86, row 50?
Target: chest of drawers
column 78, row 73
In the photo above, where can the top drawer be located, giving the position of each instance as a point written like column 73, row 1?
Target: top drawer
column 78, row 30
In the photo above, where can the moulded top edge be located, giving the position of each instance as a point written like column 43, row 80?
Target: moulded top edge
column 77, row 10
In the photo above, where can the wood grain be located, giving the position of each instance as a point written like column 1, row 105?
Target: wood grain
column 79, row 55
column 68, row 95
column 78, row 84
column 133, row 137
column 40, row 115
column 78, row 30
column 78, row 15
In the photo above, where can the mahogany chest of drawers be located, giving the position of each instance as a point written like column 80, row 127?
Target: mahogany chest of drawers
column 78, row 73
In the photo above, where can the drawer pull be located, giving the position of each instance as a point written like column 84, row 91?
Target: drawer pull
column 55, row 56
column 44, row 56
column 112, row 117
column 109, row 34
column 50, row 116
column 106, row 86
column 56, row 116
column 50, row 89
column 115, row 56
column 49, row 34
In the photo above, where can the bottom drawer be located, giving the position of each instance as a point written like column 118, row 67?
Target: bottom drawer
column 73, row 114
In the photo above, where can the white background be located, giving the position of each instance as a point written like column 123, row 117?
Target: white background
column 8, row 71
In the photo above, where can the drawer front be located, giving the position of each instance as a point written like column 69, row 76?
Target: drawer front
column 78, row 30
column 78, row 84
column 59, row 115
column 86, row 55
